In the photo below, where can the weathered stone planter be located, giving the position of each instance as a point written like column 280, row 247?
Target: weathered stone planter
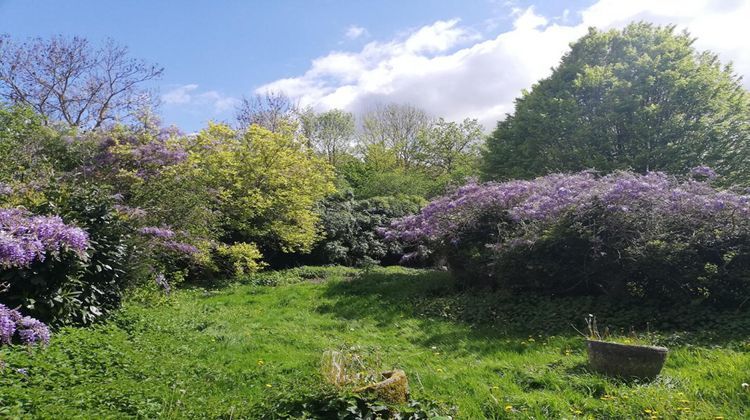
column 626, row 360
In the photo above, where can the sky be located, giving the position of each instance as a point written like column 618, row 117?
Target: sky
column 455, row 59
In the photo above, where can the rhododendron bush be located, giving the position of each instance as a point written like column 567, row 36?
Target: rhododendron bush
column 647, row 236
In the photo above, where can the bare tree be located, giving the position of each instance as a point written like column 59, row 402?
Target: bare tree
column 271, row 110
column 396, row 127
column 66, row 79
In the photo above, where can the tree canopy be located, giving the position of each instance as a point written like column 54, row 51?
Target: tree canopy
column 640, row 98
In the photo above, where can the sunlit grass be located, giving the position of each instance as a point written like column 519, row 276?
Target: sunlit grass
column 232, row 352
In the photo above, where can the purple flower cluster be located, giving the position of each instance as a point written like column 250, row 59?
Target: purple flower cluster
column 532, row 205
column 157, row 232
column 146, row 159
column 164, row 237
column 28, row 330
column 25, row 239
column 703, row 171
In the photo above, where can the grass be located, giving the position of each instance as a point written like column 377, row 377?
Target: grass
column 239, row 351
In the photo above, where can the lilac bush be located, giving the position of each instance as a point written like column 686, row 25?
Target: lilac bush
column 25, row 329
column 25, row 239
column 566, row 232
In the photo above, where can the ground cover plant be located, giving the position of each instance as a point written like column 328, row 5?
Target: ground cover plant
column 252, row 350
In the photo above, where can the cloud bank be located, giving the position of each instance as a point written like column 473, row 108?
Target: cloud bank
column 453, row 71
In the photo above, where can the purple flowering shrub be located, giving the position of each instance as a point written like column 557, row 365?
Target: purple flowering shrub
column 25, row 239
column 82, row 273
column 166, row 256
column 15, row 327
column 624, row 234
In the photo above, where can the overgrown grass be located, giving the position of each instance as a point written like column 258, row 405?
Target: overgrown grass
column 244, row 351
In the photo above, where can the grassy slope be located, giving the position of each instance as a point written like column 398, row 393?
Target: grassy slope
column 223, row 354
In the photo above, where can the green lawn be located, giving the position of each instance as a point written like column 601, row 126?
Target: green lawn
column 236, row 352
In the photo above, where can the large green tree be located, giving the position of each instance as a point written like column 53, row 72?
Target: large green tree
column 641, row 98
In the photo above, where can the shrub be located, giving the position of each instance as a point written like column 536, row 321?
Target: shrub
column 265, row 186
column 350, row 229
column 42, row 263
column 238, row 259
column 68, row 288
column 648, row 236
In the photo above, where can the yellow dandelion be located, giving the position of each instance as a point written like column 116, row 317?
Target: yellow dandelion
column 508, row 407
column 269, row 386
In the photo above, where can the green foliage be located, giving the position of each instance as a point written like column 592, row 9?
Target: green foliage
column 28, row 149
column 331, row 133
column 239, row 259
column 65, row 290
column 265, row 186
column 350, row 229
column 640, row 98
column 334, row 405
column 241, row 351
column 450, row 150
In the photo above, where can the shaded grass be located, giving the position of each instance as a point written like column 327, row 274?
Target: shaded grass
column 233, row 353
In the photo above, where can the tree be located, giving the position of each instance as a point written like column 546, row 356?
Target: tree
column 449, row 147
column 396, row 127
column 640, row 98
column 266, row 185
column 274, row 111
column 66, row 79
column 330, row 133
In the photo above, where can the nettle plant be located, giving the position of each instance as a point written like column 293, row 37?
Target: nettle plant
column 623, row 234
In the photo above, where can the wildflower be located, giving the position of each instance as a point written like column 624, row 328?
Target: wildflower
column 269, row 386
column 745, row 386
column 508, row 407
column 261, row 363
column 23, row 371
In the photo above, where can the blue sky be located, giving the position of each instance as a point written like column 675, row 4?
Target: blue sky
column 456, row 59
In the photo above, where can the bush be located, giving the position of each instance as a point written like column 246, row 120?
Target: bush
column 238, row 259
column 350, row 229
column 648, row 236
column 265, row 186
column 43, row 263
column 72, row 287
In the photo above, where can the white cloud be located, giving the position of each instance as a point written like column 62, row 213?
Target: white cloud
column 179, row 95
column 450, row 71
column 188, row 95
column 528, row 19
column 354, row 32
